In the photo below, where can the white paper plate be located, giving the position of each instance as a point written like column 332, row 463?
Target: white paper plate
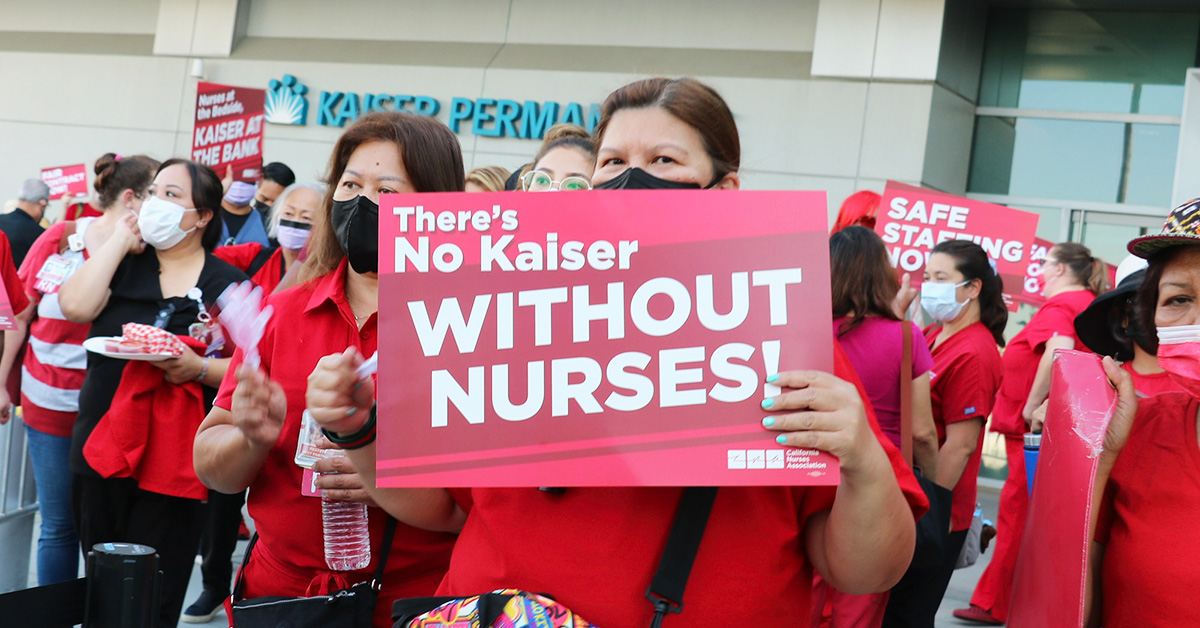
column 96, row 345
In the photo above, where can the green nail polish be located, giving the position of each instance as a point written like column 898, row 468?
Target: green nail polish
column 781, row 439
column 771, row 378
column 767, row 403
column 768, row 422
column 351, row 411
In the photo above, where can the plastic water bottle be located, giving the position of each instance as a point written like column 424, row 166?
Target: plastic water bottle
column 347, row 536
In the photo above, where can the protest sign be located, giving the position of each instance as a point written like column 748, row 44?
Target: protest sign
column 66, row 180
column 1048, row 586
column 913, row 220
column 603, row 338
column 229, row 129
column 7, row 318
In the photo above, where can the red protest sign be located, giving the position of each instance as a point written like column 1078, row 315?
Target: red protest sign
column 229, row 129
column 605, row 338
column 66, row 180
column 913, row 220
column 1049, row 584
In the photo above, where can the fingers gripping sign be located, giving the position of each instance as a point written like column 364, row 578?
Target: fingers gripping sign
column 817, row 410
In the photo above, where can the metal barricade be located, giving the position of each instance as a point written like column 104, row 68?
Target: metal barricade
column 18, row 506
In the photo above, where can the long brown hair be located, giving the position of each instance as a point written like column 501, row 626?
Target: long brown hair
column 1087, row 270
column 862, row 279
column 431, row 156
column 693, row 102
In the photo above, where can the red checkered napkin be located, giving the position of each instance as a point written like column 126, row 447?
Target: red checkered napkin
column 154, row 340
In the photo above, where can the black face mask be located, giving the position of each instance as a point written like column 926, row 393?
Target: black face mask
column 356, row 227
column 638, row 179
column 261, row 206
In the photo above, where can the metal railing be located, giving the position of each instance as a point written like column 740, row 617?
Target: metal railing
column 18, row 506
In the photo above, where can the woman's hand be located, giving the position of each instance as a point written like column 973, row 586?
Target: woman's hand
column 337, row 399
column 1039, row 418
column 339, row 479
column 258, row 407
column 1122, row 422
column 183, row 369
column 821, row 411
column 126, row 235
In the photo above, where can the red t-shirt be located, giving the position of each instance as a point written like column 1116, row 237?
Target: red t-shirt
column 55, row 360
column 596, row 549
column 1024, row 351
column 242, row 256
column 1152, row 560
column 962, row 386
column 311, row 321
column 1152, row 384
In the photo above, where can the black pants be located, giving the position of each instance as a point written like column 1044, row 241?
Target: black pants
column 915, row 599
column 117, row 511
column 223, row 515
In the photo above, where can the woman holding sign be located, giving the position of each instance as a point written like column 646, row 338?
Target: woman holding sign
column 761, row 544
column 1144, row 561
column 1073, row 278
column 963, row 294
column 250, row 437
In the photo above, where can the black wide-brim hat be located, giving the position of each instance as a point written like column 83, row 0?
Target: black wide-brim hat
column 1094, row 326
column 1182, row 227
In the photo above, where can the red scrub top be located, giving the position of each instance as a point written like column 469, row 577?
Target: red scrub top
column 962, row 386
column 1151, row 559
column 1152, row 384
column 242, row 256
column 311, row 321
column 596, row 549
column 1024, row 351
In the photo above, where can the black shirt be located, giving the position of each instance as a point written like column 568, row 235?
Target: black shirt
column 137, row 298
column 21, row 230
column 235, row 222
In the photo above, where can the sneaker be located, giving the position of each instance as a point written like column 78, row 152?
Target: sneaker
column 977, row 615
column 204, row 609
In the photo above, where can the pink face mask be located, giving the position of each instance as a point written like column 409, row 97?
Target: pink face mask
column 1179, row 356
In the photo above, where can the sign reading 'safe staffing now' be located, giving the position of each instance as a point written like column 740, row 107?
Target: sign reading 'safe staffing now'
column 602, row 338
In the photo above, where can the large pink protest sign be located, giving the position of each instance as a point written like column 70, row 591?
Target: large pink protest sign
column 228, row 131
column 913, row 220
column 602, row 338
column 66, row 180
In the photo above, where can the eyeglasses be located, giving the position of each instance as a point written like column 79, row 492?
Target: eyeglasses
column 1046, row 261
column 540, row 181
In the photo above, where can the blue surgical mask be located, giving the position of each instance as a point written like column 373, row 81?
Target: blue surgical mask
column 939, row 300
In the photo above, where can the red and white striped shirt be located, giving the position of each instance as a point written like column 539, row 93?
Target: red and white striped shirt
column 55, row 360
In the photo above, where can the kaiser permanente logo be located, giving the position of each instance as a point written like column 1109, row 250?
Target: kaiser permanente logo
column 287, row 103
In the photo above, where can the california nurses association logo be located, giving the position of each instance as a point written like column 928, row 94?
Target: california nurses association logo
column 287, row 102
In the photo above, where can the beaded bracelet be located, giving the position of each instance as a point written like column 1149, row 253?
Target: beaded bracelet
column 362, row 437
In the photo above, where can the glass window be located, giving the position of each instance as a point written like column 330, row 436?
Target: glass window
column 1107, row 162
column 1099, row 61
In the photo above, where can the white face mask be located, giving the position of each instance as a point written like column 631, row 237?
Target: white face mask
column 159, row 222
column 939, row 300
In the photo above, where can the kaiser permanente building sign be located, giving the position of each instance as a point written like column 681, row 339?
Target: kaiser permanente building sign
column 288, row 103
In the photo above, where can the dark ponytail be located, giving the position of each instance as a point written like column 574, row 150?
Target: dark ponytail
column 115, row 174
column 971, row 260
column 1087, row 270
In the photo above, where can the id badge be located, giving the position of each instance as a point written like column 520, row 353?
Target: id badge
column 54, row 272
column 307, row 452
column 308, row 484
